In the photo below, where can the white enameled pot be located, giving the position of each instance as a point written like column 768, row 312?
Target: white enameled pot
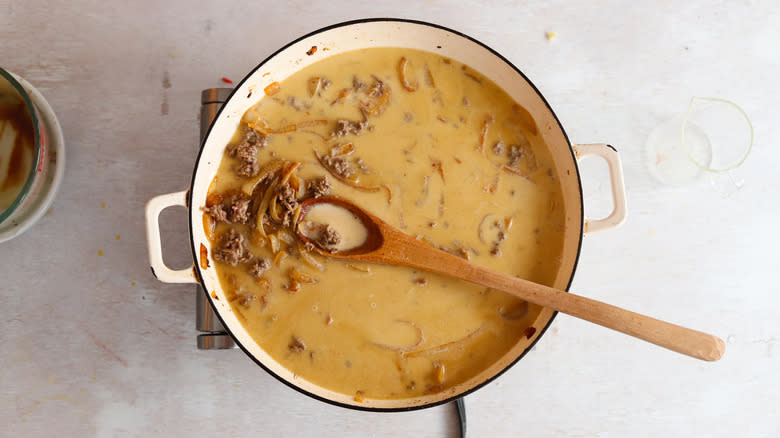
column 362, row 34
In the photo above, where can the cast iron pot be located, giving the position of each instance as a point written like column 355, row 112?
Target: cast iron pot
column 361, row 34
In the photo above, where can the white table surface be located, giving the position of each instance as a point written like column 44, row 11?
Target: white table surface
column 93, row 345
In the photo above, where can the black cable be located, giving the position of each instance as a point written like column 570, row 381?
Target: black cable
column 460, row 405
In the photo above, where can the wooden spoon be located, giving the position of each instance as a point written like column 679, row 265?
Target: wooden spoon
column 386, row 244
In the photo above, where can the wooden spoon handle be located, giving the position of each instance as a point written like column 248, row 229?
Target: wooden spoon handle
column 664, row 334
column 674, row 337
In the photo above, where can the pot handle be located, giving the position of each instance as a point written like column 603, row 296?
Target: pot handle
column 610, row 155
column 159, row 269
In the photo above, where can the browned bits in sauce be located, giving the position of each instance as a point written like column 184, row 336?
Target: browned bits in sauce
column 529, row 332
column 204, row 257
column 296, row 345
column 436, row 164
column 438, row 372
column 421, row 281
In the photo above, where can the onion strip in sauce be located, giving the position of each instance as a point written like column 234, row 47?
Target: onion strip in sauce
column 342, row 149
column 442, row 347
column 308, row 258
column 289, row 171
column 483, row 134
column 266, row 171
column 302, row 277
column 402, row 74
column 273, row 208
column 481, row 227
column 264, row 203
column 404, row 350
column 274, row 242
column 516, row 171
column 261, row 126
column 365, row 269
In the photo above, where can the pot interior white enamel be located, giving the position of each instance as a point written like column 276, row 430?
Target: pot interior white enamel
column 367, row 34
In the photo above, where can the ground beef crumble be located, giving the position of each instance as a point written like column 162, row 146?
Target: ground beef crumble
column 239, row 210
column 288, row 199
column 521, row 152
column 217, row 213
column 344, row 127
column 232, row 250
column 319, row 187
column 329, row 237
column 246, row 152
column 339, row 166
column 235, row 210
column 259, row 267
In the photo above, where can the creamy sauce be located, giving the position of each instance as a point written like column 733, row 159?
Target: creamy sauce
column 445, row 155
column 351, row 231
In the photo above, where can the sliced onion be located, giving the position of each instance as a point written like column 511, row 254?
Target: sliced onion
column 302, row 277
column 443, row 347
column 308, row 258
column 402, row 74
